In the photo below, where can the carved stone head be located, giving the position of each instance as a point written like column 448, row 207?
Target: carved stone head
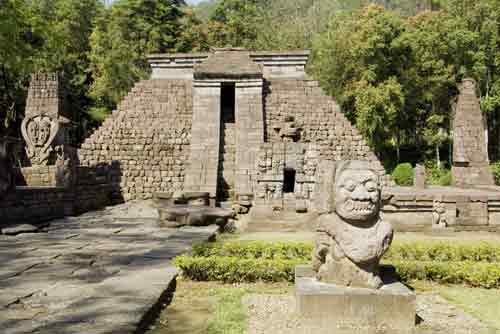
column 357, row 191
column 39, row 130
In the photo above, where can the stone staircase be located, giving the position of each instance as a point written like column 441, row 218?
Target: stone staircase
column 227, row 164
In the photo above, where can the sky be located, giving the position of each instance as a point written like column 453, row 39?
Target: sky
column 193, row 2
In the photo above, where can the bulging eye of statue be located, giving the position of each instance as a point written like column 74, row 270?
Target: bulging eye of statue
column 350, row 185
column 371, row 186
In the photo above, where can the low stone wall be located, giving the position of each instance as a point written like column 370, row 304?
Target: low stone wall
column 410, row 209
column 38, row 176
column 36, row 205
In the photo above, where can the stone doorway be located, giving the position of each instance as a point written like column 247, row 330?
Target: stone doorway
column 227, row 147
column 289, row 181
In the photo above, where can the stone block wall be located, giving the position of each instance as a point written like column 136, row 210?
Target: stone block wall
column 37, row 176
column 35, row 205
column 269, row 173
column 147, row 139
column 319, row 119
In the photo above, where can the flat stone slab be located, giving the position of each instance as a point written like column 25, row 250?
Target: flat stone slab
column 104, row 272
column 178, row 215
column 389, row 310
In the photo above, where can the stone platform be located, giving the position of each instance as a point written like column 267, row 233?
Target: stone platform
column 474, row 209
column 103, row 272
column 343, row 310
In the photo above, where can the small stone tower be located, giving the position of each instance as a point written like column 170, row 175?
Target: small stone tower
column 470, row 151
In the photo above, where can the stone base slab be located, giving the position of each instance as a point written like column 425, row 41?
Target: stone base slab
column 343, row 310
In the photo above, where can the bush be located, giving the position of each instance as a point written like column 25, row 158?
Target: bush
column 237, row 270
column 445, row 179
column 438, row 176
column 444, row 252
column 476, row 274
column 255, row 249
column 495, row 170
column 403, row 174
column 475, row 264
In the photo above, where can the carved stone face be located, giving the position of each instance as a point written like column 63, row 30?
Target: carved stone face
column 357, row 194
column 39, row 131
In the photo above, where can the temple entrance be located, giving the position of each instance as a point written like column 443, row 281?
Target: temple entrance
column 289, row 181
column 227, row 147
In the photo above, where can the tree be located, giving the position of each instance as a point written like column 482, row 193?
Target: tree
column 13, row 70
column 129, row 30
column 358, row 61
column 61, row 31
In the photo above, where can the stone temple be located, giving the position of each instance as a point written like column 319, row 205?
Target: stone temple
column 240, row 125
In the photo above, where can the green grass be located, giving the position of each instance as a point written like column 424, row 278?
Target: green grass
column 484, row 304
column 230, row 315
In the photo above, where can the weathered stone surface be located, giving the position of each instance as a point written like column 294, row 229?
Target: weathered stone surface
column 174, row 133
column 419, row 177
column 44, row 126
column 102, row 272
column 177, row 215
column 341, row 309
column 351, row 240
column 470, row 149
column 20, row 228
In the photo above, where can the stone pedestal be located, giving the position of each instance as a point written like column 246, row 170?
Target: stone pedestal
column 343, row 310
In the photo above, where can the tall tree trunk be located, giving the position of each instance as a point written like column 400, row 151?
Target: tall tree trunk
column 438, row 158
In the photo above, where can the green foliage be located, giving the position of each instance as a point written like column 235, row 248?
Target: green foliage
column 129, row 30
column 476, row 274
column 255, row 249
column 403, row 174
column 495, row 170
column 475, row 264
column 236, row 270
column 438, row 176
column 396, row 76
column 230, row 313
column 443, row 252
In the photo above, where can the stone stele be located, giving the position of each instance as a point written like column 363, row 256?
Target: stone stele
column 345, row 290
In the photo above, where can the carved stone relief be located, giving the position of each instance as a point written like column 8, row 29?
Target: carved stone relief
column 39, row 132
column 439, row 219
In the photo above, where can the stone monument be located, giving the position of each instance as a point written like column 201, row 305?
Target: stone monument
column 346, row 288
column 470, row 151
column 44, row 126
column 351, row 240
column 419, row 178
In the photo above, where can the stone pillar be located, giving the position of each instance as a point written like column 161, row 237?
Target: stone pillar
column 470, row 152
column 419, row 177
column 249, row 131
column 201, row 174
column 44, row 127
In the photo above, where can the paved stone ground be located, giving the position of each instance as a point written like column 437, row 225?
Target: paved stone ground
column 102, row 272
column 275, row 314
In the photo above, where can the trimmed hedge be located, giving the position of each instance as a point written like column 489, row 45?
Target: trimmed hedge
column 236, row 270
column 444, row 251
column 255, row 250
column 477, row 274
column 475, row 264
column 413, row 251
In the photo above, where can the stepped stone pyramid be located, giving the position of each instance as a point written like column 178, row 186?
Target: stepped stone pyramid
column 231, row 122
